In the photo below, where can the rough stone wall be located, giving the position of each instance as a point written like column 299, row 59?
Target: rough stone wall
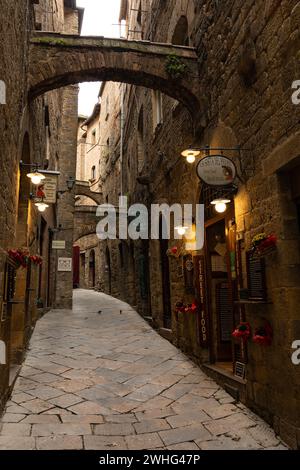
column 28, row 131
column 248, row 57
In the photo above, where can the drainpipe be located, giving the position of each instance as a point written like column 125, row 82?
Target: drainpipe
column 122, row 135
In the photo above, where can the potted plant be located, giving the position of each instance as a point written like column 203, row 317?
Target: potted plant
column 263, row 335
column 243, row 331
column 263, row 244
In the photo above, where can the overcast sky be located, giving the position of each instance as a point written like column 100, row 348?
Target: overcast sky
column 99, row 17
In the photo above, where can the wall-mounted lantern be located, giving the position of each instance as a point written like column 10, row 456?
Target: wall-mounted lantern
column 220, row 205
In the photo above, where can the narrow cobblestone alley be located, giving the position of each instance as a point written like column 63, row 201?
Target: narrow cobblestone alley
column 99, row 377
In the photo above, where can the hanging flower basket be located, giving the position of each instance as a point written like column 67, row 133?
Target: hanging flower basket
column 191, row 308
column 180, row 307
column 263, row 244
column 174, row 251
column 263, row 335
column 243, row 331
column 36, row 259
column 22, row 258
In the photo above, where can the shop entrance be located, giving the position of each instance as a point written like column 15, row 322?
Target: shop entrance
column 221, row 283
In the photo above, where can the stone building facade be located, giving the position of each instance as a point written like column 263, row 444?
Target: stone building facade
column 248, row 58
column 41, row 132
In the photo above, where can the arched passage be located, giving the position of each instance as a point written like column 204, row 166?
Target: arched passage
column 60, row 60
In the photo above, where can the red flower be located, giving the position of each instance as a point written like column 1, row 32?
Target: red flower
column 243, row 330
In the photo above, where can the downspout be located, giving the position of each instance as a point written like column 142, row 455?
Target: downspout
column 122, row 136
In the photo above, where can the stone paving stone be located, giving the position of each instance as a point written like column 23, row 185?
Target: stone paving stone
column 94, row 393
column 185, row 434
column 151, row 425
column 231, row 423
column 144, row 442
column 45, row 378
column 21, row 397
column 89, row 408
column 187, row 418
column 37, row 406
column 24, row 384
column 154, row 403
column 66, row 400
column 104, row 443
column 125, row 418
column 12, row 418
column 221, row 411
column 27, row 371
column 17, row 443
column 110, row 429
column 70, row 429
column 77, row 419
column 59, row 443
column 155, row 413
column 184, row 446
column 15, row 429
column 244, row 442
column 44, row 392
column 168, row 379
column 177, row 391
column 72, row 386
column 16, row 409
column 41, row 419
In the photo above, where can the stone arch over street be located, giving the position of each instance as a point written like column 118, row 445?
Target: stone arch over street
column 82, row 188
column 58, row 60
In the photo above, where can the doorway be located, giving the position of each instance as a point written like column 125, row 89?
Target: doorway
column 92, row 269
column 165, row 275
column 220, row 291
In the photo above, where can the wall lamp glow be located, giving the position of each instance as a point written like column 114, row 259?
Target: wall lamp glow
column 220, row 205
column 181, row 230
column 190, row 155
column 42, row 206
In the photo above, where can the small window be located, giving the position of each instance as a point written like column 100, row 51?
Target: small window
column 107, row 107
column 94, row 137
column 93, row 173
column 157, row 108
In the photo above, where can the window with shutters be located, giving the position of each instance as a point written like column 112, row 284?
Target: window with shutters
column 256, row 274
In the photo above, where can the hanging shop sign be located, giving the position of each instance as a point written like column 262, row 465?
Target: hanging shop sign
column 216, row 170
column 47, row 189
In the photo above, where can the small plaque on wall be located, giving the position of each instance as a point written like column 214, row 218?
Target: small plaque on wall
column 64, row 265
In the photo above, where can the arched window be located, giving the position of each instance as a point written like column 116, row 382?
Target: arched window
column 181, row 32
column 93, row 173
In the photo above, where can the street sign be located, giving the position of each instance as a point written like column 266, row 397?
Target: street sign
column 64, row 265
column 58, row 245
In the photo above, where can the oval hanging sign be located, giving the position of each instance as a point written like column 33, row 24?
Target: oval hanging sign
column 216, row 170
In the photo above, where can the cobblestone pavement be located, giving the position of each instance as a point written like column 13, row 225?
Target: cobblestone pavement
column 108, row 381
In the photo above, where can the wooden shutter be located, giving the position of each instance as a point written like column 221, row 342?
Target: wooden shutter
column 256, row 277
column 224, row 311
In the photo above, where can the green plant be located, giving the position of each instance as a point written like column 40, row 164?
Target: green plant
column 175, row 67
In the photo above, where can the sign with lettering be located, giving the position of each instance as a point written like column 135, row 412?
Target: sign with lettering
column 200, row 279
column 216, row 170
column 58, row 245
column 47, row 189
column 64, row 265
